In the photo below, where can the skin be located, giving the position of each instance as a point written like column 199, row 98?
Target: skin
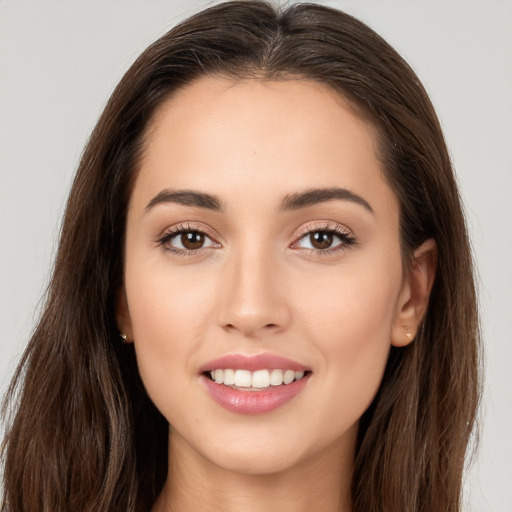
column 257, row 286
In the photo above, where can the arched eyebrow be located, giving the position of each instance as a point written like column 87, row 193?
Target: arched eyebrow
column 296, row 201
column 187, row 198
column 316, row 196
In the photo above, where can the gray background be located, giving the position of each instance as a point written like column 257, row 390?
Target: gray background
column 59, row 61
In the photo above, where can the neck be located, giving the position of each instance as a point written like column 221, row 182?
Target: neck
column 320, row 482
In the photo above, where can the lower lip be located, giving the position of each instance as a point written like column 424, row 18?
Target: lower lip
column 254, row 402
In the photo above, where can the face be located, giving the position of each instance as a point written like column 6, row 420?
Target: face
column 261, row 237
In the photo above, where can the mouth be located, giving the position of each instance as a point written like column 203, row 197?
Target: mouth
column 259, row 380
column 254, row 384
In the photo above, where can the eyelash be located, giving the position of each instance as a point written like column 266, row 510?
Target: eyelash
column 342, row 233
column 347, row 239
column 174, row 231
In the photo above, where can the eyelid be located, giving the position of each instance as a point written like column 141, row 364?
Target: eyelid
column 324, row 225
column 339, row 230
column 189, row 226
column 346, row 236
column 184, row 227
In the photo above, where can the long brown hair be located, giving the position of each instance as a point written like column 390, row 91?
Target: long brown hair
column 84, row 436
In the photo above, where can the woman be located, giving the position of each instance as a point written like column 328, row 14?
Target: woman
column 266, row 216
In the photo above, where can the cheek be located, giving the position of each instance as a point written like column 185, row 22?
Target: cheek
column 166, row 304
column 349, row 316
column 352, row 303
column 168, row 311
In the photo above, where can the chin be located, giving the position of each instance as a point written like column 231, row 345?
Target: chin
column 251, row 461
column 266, row 451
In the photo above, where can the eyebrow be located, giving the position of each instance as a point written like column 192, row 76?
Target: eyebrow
column 187, row 198
column 296, row 201
column 321, row 195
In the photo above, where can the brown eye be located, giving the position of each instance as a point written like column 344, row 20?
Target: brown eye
column 192, row 240
column 186, row 241
column 325, row 240
column 321, row 239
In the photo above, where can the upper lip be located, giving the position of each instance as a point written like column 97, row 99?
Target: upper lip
column 253, row 362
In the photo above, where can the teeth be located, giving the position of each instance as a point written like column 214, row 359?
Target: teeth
column 289, row 376
column 229, row 377
column 276, row 377
column 259, row 379
column 242, row 378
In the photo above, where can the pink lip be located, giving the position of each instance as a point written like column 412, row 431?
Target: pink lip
column 265, row 361
column 253, row 402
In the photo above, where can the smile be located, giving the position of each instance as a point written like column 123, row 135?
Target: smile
column 255, row 381
column 253, row 384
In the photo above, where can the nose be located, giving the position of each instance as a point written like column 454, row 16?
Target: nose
column 254, row 298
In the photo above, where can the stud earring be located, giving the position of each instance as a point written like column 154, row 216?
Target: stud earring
column 407, row 333
column 123, row 335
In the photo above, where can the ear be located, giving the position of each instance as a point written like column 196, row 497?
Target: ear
column 413, row 301
column 123, row 319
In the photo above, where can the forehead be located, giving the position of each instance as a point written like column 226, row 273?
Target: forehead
column 217, row 101
column 225, row 136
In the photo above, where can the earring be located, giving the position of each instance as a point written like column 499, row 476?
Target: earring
column 123, row 335
column 407, row 333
